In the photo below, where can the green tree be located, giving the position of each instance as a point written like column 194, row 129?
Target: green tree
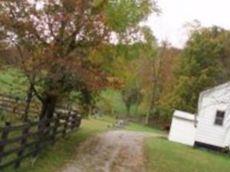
column 200, row 67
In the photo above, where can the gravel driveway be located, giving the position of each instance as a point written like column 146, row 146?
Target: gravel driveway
column 114, row 151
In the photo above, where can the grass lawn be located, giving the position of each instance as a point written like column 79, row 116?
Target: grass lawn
column 54, row 158
column 165, row 156
column 13, row 82
column 142, row 128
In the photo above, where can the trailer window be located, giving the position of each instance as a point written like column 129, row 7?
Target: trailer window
column 219, row 118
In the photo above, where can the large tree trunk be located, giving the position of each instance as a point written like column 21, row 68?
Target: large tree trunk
column 48, row 107
column 86, row 101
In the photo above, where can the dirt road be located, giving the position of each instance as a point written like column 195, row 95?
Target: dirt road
column 114, row 151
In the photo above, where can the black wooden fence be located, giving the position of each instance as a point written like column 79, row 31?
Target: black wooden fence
column 17, row 106
column 29, row 139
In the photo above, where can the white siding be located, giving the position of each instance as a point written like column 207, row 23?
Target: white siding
column 207, row 132
column 227, row 139
column 182, row 129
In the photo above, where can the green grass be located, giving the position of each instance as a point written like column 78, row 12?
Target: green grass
column 142, row 128
column 13, row 82
column 165, row 156
column 64, row 150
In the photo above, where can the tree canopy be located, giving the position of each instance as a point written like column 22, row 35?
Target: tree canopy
column 54, row 39
column 203, row 65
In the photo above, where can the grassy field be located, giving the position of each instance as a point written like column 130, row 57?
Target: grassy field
column 13, row 82
column 54, row 158
column 165, row 156
column 142, row 128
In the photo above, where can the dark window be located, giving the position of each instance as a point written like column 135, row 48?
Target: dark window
column 219, row 117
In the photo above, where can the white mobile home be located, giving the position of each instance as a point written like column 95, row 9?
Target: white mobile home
column 213, row 121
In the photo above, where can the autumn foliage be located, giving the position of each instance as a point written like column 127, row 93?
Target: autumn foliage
column 53, row 40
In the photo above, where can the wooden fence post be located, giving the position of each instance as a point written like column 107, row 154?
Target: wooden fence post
column 4, row 138
column 78, row 121
column 65, row 126
column 73, row 121
column 25, row 133
column 40, row 129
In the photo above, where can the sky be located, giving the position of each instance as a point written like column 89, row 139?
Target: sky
column 175, row 14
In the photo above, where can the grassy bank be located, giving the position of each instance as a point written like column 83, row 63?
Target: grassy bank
column 54, row 158
column 165, row 156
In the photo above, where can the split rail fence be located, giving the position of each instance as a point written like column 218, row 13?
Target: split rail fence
column 29, row 139
column 18, row 142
